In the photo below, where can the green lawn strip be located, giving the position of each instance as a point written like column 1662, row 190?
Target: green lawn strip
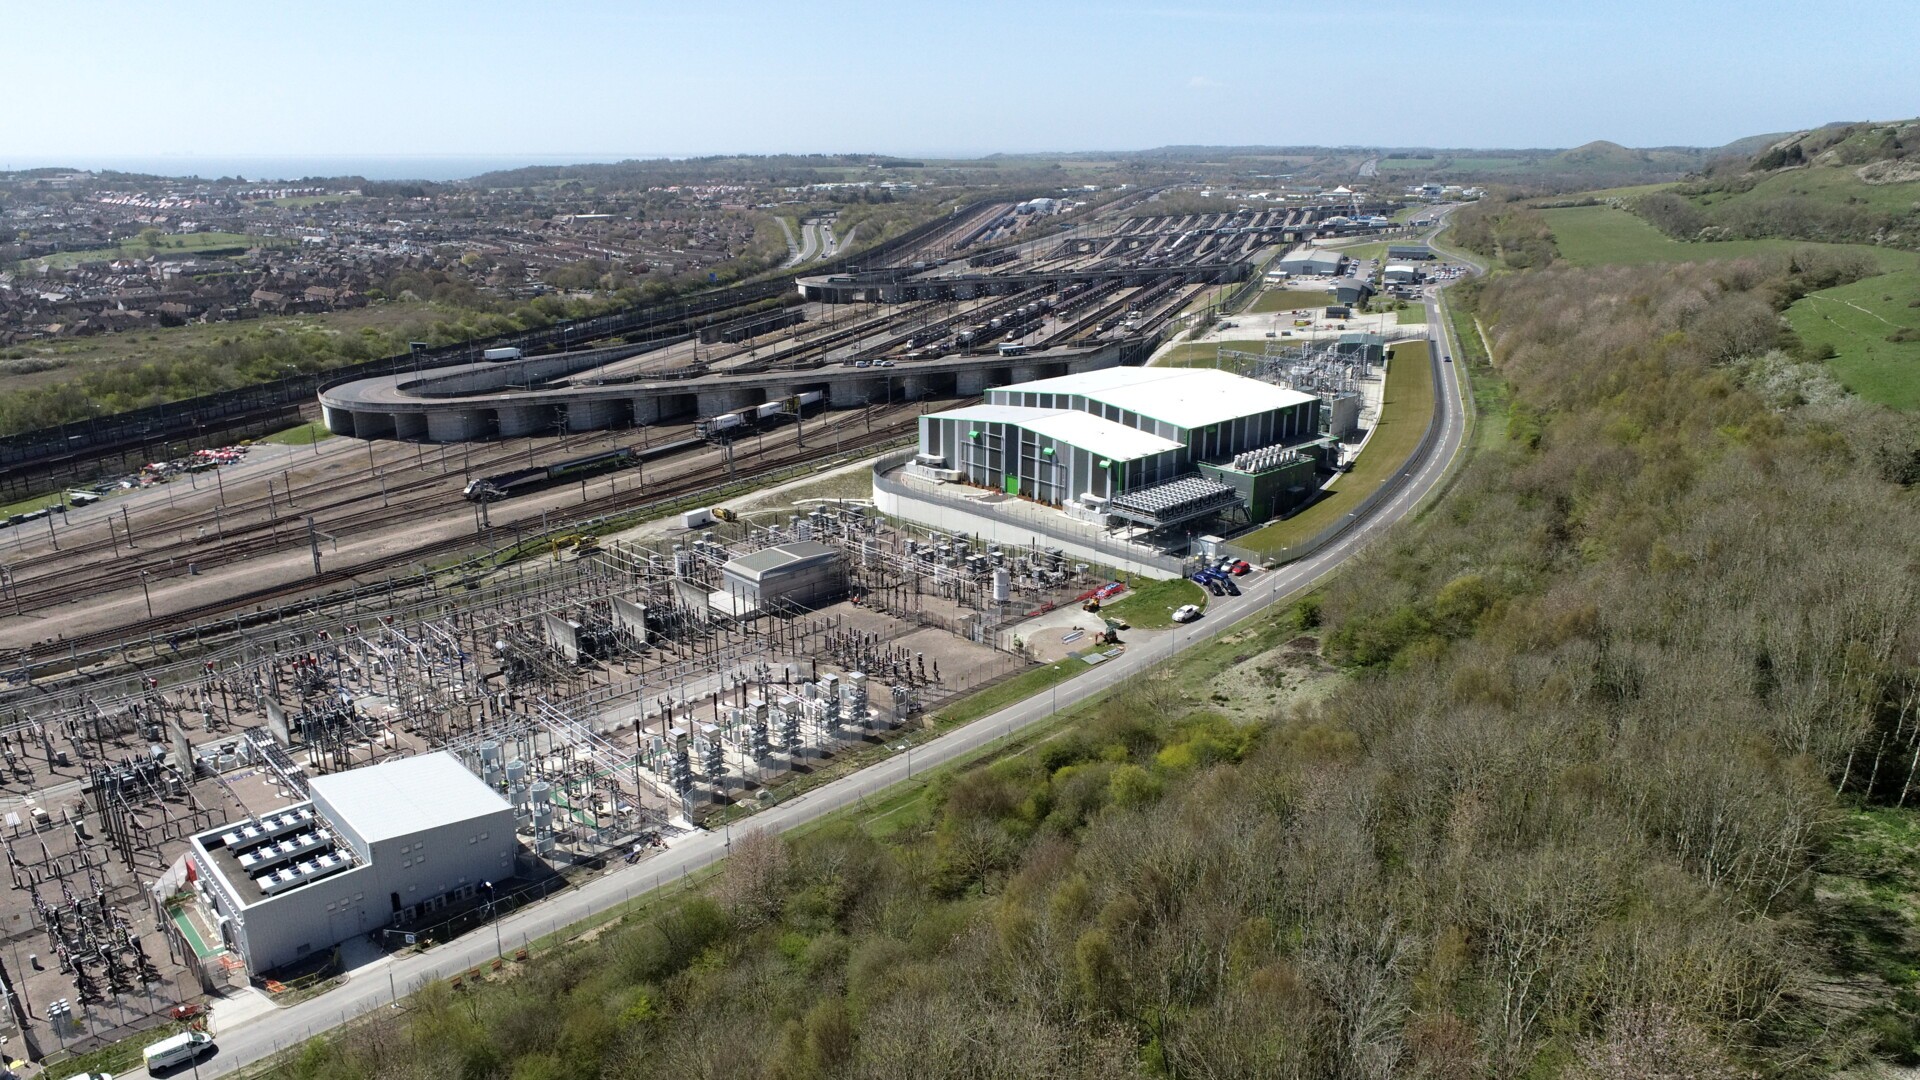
column 1407, row 406
column 1153, row 603
column 1362, row 252
column 24, row 506
column 303, row 435
column 1855, row 321
column 1289, row 299
column 114, row 1058
column 1205, row 353
column 1601, row 235
column 991, row 699
column 1412, row 314
column 1492, row 397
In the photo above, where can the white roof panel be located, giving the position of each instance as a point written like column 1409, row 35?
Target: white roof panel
column 1071, row 426
column 1184, row 397
column 992, row 414
column 406, row 796
column 1103, row 438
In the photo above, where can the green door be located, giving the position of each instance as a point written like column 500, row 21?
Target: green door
column 1011, row 483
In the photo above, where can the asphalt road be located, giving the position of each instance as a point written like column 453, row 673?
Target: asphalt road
column 374, row 985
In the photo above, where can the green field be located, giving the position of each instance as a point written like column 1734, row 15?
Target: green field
column 1151, row 604
column 1601, row 235
column 1206, row 353
column 135, row 249
column 1856, row 320
column 1362, row 252
column 1406, row 408
column 1411, row 314
column 1287, row 299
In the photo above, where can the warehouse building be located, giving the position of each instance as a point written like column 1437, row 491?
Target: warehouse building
column 1309, row 261
column 1124, row 444
column 1408, row 253
column 1400, row 274
column 387, row 843
column 802, row 574
column 1352, row 291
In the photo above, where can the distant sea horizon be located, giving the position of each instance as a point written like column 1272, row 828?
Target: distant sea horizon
column 266, row 167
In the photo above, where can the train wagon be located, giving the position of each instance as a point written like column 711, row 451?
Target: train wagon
column 502, row 485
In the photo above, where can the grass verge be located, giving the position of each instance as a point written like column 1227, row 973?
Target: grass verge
column 1407, row 405
column 1152, row 604
column 303, row 435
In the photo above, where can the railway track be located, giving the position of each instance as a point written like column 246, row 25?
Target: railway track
column 251, row 526
column 887, row 424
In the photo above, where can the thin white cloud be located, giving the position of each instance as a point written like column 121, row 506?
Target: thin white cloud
column 1201, row 82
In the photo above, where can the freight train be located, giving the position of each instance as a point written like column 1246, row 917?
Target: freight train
column 502, row 485
column 740, row 420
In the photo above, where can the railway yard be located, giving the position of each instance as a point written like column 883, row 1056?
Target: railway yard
column 189, row 656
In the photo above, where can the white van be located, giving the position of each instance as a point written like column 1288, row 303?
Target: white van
column 177, row 1050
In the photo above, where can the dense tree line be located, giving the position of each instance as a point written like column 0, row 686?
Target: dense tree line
column 1579, row 811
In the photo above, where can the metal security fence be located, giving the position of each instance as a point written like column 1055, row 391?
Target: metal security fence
column 1025, row 516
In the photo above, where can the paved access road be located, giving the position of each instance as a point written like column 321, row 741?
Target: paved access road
column 374, row 985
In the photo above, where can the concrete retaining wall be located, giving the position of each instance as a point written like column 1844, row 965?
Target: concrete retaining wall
column 894, row 497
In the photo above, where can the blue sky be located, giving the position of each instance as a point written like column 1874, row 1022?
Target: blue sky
column 95, row 83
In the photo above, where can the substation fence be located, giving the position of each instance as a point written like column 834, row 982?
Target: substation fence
column 1017, row 514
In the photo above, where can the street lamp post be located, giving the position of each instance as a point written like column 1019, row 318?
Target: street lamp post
column 144, row 591
column 494, row 915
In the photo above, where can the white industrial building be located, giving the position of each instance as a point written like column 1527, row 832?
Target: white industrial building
column 1126, row 443
column 389, row 842
column 1400, row 274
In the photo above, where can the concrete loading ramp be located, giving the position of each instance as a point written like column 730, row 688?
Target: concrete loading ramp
column 520, row 398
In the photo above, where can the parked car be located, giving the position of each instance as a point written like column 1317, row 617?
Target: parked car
column 1186, row 613
column 1241, row 566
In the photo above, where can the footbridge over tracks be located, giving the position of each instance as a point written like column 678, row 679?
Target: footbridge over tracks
column 558, row 393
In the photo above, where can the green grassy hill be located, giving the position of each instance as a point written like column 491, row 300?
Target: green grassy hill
column 1604, row 235
column 1844, row 183
column 1869, row 333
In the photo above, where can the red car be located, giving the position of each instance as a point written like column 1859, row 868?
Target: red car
column 1241, row 566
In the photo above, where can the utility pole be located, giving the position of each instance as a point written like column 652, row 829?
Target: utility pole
column 314, row 536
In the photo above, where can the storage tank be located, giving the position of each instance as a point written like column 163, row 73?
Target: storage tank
column 1002, row 586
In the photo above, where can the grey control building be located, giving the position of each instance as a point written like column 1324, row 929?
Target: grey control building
column 803, row 574
column 372, row 846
